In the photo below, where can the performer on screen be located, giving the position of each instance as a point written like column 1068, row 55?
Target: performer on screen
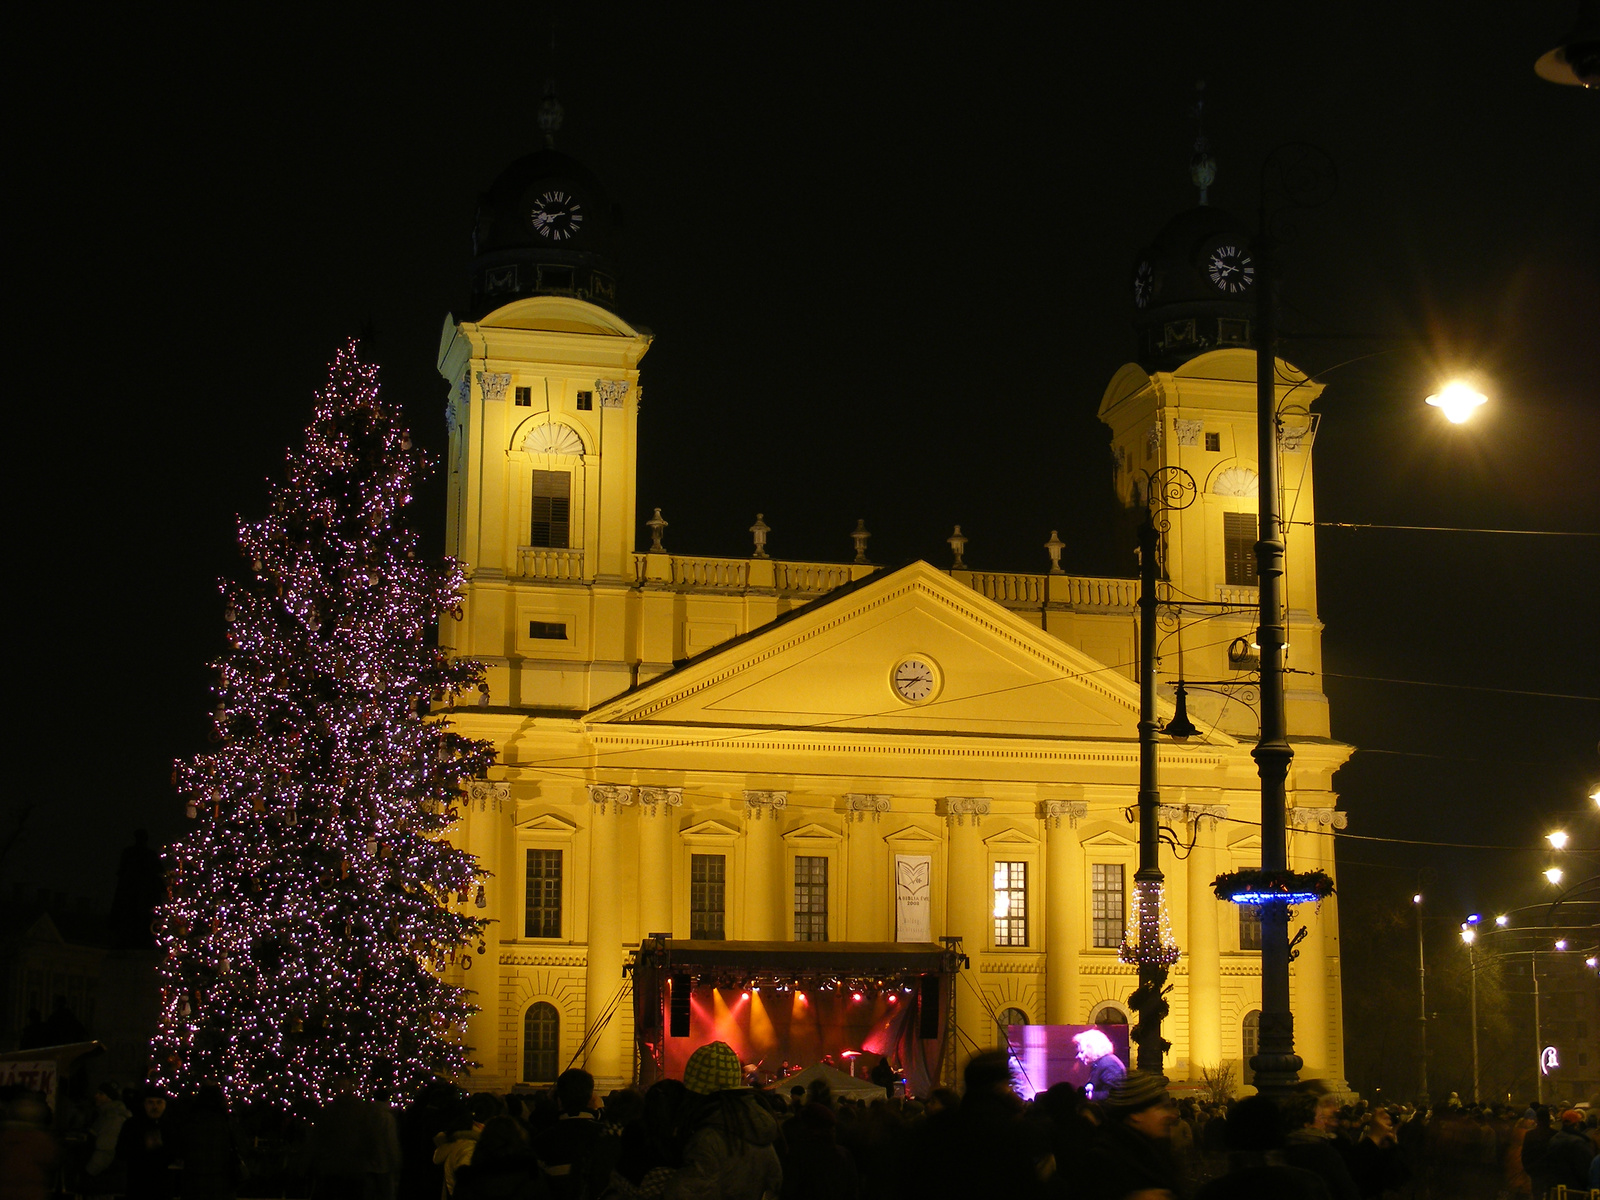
column 1105, row 1068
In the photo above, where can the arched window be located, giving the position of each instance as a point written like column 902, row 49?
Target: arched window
column 1109, row 1014
column 1252, row 1043
column 541, row 1043
column 1008, row 1017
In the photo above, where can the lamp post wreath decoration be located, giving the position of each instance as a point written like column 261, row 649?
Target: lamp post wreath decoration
column 1255, row 886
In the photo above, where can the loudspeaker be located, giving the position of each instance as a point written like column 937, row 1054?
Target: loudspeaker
column 680, row 1006
column 928, row 1007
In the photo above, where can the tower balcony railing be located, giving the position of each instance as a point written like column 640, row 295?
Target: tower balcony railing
column 542, row 562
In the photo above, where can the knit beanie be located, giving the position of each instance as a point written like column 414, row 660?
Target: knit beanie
column 714, row 1067
column 1137, row 1091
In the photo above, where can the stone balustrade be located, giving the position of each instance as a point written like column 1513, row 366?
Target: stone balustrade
column 540, row 562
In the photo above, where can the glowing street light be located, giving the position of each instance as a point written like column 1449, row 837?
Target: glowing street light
column 1558, row 839
column 1502, row 920
column 1553, row 874
column 1469, row 934
column 1561, row 943
column 1457, row 401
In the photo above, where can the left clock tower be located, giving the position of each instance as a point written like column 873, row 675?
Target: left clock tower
column 543, row 417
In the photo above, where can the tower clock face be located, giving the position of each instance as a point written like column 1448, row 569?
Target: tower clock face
column 556, row 215
column 1230, row 269
column 913, row 680
column 1144, row 284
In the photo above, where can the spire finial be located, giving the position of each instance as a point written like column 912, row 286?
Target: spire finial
column 1202, row 167
column 550, row 114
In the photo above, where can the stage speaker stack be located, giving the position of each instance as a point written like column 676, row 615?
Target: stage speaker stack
column 928, row 1007
column 680, row 1006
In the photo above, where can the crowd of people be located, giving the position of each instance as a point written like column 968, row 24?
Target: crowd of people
column 711, row 1136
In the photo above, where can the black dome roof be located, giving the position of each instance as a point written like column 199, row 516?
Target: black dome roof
column 517, row 253
column 1193, row 288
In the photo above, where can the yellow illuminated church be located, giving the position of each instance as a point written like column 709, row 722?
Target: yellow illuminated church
column 759, row 751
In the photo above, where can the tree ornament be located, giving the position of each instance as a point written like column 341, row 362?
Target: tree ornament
column 481, row 899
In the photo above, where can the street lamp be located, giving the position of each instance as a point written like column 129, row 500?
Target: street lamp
column 1457, row 401
column 1469, row 935
column 1553, row 874
column 1558, row 839
column 1422, row 1006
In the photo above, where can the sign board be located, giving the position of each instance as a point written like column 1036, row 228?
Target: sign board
column 35, row 1075
column 913, row 897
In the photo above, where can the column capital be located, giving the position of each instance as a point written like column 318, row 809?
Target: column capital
column 858, row 804
column 484, row 794
column 601, row 794
column 957, row 808
column 1171, row 813
column 1310, row 818
column 1051, row 812
column 668, row 797
column 755, row 803
column 1199, row 814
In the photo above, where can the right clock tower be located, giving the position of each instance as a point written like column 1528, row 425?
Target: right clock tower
column 1190, row 402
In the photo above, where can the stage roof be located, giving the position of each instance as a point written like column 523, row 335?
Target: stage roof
column 838, row 958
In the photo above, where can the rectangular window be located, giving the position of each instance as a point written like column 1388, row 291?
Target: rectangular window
column 553, row 631
column 524, row 397
column 1214, row 442
column 544, row 895
column 1239, row 548
column 1109, row 903
column 708, row 897
column 810, row 898
column 1011, row 904
column 586, row 401
column 1249, row 927
column 552, row 510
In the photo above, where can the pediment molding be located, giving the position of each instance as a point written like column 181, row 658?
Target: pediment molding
column 1108, row 836
column 815, row 832
column 1011, row 837
column 711, row 827
column 547, row 823
column 914, row 835
column 950, row 599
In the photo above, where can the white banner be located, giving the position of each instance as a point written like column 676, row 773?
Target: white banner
column 38, row 1075
column 913, row 897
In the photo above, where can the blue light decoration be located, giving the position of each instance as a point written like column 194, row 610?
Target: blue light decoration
column 1273, row 887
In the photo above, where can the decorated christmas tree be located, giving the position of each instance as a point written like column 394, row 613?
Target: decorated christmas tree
column 316, row 898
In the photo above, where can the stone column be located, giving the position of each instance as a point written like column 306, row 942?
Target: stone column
column 1063, row 907
column 1205, row 963
column 765, row 913
column 607, row 928
column 658, row 855
column 486, row 802
column 864, row 910
column 968, row 905
column 1313, row 829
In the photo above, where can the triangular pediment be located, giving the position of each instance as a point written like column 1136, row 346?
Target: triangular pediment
column 711, row 827
column 547, row 823
column 1011, row 837
column 913, row 833
column 812, row 830
column 831, row 666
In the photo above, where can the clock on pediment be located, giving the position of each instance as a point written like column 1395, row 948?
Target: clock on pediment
column 915, row 679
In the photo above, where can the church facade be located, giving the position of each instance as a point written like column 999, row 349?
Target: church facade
column 764, row 751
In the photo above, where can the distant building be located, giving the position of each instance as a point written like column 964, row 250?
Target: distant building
column 778, row 753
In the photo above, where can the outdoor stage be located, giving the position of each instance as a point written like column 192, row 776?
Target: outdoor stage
column 786, row 1005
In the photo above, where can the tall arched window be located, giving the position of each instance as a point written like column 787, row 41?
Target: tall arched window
column 541, row 1043
column 1252, row 1043
column 1008, row 1017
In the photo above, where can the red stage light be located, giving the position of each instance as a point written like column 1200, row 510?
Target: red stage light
column 893, row 999
column 856, row 996
column 800, row 996
column 744, row 995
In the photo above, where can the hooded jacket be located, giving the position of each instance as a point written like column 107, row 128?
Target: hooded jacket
column 728, row 1153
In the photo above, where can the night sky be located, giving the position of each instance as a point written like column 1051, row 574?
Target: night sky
column 887, row 260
